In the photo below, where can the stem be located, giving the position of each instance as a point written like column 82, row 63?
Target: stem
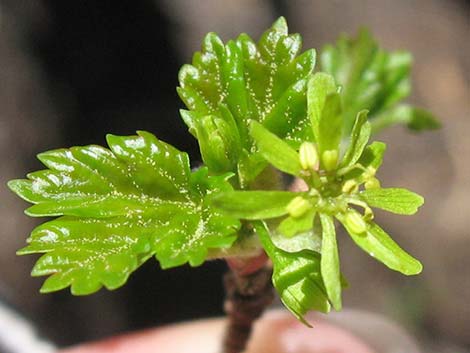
column 247, row 296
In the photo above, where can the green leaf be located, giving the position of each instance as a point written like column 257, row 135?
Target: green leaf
column 86, row 253
column 274, row 150
column 121, row 206
column 330, row 261
column 320, row 87
column 372, row 79
column 265, row 82
column 396, row 200
column 380, row 246
column 219, row 142
column 291, row 226
column 307, row 240
column 330, row 124
column 359, row 138
column 373, row 155
column 250, row 166
column 415, row 119
column 420, row 119
column 288, row 116
column 296, row 277
column 254, row 204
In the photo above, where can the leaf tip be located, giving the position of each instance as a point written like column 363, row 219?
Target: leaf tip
column 419, row 268
column 419, row 201
column 23, row 251
column 111, row 139
column 280, row 25
column 412, row 270
column 46, row 290
column 16, row 185
column 22, row 188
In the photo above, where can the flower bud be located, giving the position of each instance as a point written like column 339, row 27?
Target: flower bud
column 355, row 223
column 372, row 183
column 370, row 172
column 298, row 206
column 308, row 156
column 349, row 186
column 330, row 159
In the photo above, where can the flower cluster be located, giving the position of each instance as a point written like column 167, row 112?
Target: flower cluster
column 341, row 185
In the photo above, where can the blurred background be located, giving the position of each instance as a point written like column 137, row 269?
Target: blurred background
column 72, row 71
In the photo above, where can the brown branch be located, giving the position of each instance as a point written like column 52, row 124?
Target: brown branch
column 247, row 296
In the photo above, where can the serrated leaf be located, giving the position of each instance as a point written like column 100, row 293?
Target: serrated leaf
column 396, row 200
column 86, row 253
column 121, row 206
column 371, row 78
column 275, row 150
column 330, row 261
column 264, row 82
column 254, row 204
column 296, row 277
column 359, row 137
column 380, row 246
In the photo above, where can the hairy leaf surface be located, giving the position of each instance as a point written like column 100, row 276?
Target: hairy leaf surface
column 265, row 82
column 120, row 206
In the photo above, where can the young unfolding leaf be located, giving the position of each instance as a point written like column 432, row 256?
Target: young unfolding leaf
column 330, row 125
column 325, row 113
column 379, row 245
column 320, row 87
column 396, row 200
column 296, row 277
column 254, row 204
column 122, row 206
column 372, row 79
column 330, row 261
column 359, row 137
column 274, row 150
column 264, row 82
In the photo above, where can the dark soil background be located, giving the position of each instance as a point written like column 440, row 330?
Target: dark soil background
column 72, row 71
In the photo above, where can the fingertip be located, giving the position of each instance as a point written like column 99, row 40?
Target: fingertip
column 280, row 332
